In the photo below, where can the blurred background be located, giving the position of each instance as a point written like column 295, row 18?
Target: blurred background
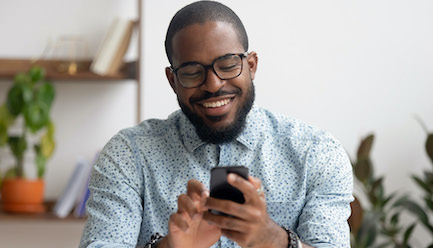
column 349, row 67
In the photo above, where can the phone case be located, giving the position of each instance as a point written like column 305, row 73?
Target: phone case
column 221, row 189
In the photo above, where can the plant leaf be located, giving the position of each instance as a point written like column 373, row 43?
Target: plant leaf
column 408, row 233
column 367, row 233
column 45, row 94
column 377, row 183
column 40, row 162
column 363, row 169
column 5, row 116
column 422, row 184
column 36, row 116
column 395, row 218
column 391, row 231
column 47, row 145
column 18, row 145
column 36, row 73
column 429, row 203
column 383, row 245
column 6, row 119
column 50, row 129
column 15, row 101
column 3, row 134
column 389, row 198
column 22, row 78
column 414, row 208
column 365, row 147
column 429, row 146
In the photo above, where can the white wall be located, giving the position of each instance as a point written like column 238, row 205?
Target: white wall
column 350, row 67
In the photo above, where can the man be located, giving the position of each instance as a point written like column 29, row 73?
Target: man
column 154, row 178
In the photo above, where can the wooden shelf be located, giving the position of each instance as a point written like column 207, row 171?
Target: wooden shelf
column 10, row 67
column 48, row 215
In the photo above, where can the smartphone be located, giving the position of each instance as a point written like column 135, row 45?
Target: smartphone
column 221, row 189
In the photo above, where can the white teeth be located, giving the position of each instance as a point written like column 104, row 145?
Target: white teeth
column 216, row 104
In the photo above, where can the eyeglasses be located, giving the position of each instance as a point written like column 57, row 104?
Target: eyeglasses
column 193, row 74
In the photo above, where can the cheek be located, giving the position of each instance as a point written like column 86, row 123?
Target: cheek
column 183, row 95
column 244, row 82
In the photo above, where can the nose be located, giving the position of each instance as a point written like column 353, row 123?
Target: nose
column 212, row 82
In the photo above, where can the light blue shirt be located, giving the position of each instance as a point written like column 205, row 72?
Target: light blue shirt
column 135, row 183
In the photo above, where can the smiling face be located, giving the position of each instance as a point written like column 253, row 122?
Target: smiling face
column 217, row 106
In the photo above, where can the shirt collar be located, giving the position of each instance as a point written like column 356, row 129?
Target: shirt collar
column 249, row 137
column 252, row 132
column 190, row 138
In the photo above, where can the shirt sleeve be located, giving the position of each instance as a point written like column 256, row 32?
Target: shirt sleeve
column 115, row 207
column 323, row 221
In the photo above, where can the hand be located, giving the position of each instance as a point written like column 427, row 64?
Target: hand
column 249, row 224
column 187, row 227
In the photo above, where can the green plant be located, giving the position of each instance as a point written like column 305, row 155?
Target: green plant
column 425, row 182
column 380, row 226
column 30, row 98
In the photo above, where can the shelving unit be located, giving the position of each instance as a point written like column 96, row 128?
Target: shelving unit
column 47, row 216
column 9, row 67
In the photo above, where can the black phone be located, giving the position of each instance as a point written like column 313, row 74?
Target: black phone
column 221, row 189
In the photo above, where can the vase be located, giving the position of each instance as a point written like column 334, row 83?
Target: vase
column 22, row 196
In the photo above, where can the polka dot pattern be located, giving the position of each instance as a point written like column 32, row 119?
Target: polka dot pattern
column 142, row 170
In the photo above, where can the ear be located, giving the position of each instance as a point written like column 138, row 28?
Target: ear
column 252, row 60
column 170, row 77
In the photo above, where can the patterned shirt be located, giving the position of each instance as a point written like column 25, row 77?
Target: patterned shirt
column 306, row 174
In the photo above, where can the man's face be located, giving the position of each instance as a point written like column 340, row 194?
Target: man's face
column 216, row 104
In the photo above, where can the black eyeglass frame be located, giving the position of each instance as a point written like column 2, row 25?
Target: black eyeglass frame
column 210, row 66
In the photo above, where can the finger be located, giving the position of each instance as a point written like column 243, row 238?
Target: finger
column 246, row 187
column 258, row 185
column 195, row 189
column 186, row 205
column 204, row 196
column 241, row 211
column 227, row 222
column 198, row 193
column 177, row 221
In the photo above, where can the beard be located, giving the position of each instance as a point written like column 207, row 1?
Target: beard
column 229, row 132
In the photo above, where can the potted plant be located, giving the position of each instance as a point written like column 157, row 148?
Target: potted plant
column 25, row 123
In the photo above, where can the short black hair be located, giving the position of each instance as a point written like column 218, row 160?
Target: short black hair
column 202, row 12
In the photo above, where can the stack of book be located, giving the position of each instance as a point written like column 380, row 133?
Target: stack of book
column 76, row 193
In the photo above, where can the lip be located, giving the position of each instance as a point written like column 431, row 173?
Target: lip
column 216, row 111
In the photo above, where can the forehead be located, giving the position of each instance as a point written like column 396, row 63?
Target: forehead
column 204, row 42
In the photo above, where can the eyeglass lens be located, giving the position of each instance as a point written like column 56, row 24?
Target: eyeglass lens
column 226, row 67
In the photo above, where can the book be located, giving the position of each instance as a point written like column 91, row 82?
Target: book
column 80, row 206
column 71, row 192
column 111, row 52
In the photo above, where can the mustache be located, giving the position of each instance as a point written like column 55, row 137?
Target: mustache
column 220, row 92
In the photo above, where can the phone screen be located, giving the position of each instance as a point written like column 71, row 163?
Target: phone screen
column 221, row 189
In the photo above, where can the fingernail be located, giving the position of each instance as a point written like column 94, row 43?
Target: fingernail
column 205, row 193
column 231, row 177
